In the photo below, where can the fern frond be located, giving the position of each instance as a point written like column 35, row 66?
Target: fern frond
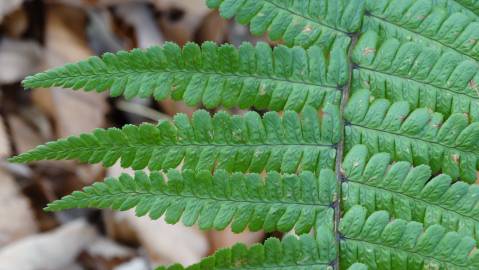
column 394, row 82
column 276, row 79
column 384, row 243
column 302, row 253
column 424, row 22
column 276, row 203
column 234, row 143
column 418, row 136
column 417, row 73
column 296, row 22
column 409, row 193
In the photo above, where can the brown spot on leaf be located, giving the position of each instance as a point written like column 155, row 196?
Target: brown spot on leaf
column 368, row 51
column 307, row 29
column 366, row 83
column 455, row 158
column 473, row 85
column 262, row 90
column 473, row 250
column 321, row 114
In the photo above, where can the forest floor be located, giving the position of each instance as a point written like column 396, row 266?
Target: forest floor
column 39, row 34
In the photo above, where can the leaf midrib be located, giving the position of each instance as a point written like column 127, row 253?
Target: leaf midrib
column 138, row 72
column 198, row 197
column 113, row 147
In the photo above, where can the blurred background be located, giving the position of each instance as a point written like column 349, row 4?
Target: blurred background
column 39, row 34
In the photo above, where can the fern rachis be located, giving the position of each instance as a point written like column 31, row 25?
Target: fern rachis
column 372, row 140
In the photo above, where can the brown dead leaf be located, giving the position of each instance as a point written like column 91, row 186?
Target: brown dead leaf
column 5, row 150
column 166, row 243
column 72, row 112
column 135, row 264
column 140, row 17
column 7, row 6
column 105, row 254
column 172, row 107
column 93, row 3
column 76, row 112
column 118, row 229
column 17, row 219
column 108, row 249
column 24, row 136
column 194, row 10
column 226, row 238
column 181, row 18
column 65, row 34
column 213, row 28
column 54, row 250
column 15, row 24
column 21, row 58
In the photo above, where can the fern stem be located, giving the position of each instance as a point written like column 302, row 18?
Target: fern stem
column 340, row 151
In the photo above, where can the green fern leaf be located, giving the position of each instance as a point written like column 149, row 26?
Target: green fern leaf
column 303, row 253
column 276, row 203
column 233, row 143
column 409, row 193
column 282, row 78
column 419, row 74
column 382, row 243
column 394, row 82
column 297, row 22
column 419, row 136
column 424, row 22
